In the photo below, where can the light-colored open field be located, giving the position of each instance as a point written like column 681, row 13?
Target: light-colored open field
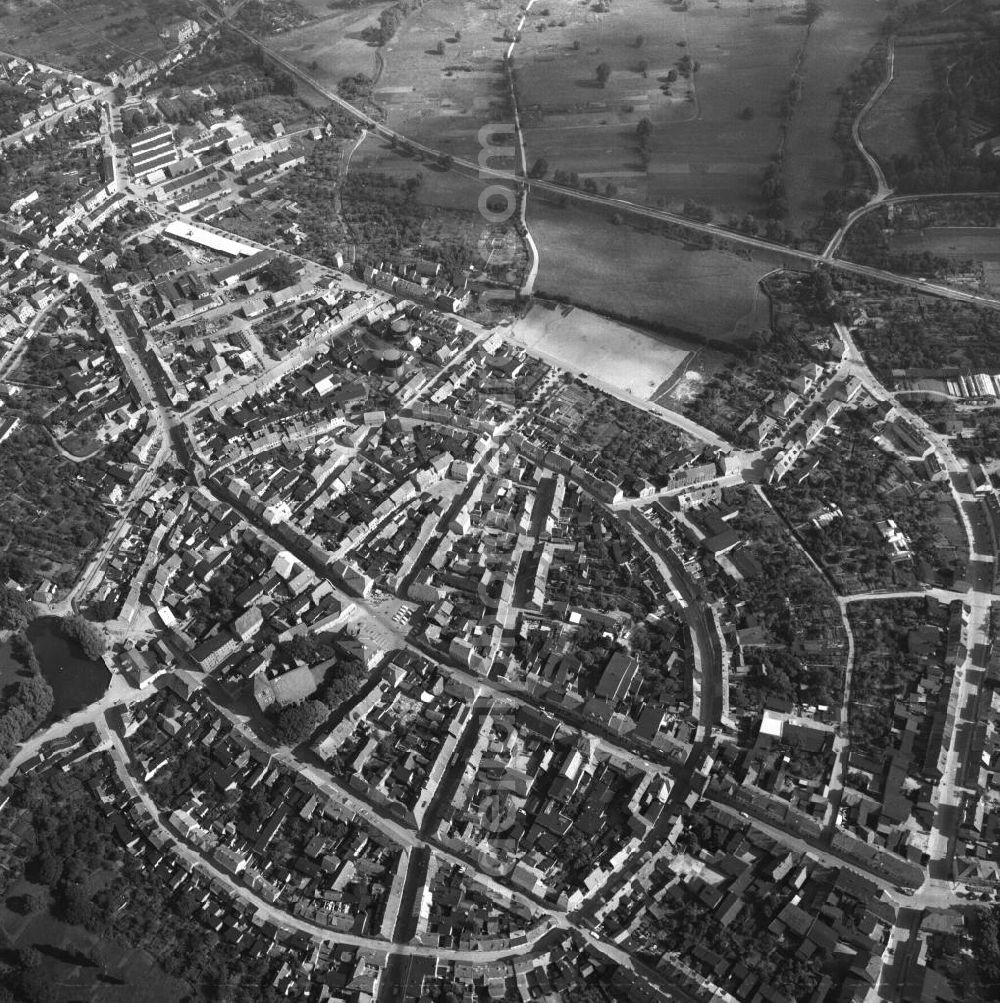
column 630, row 360
column 838, row 41
column 700, row 147
column 640, row 274
column 891, row 125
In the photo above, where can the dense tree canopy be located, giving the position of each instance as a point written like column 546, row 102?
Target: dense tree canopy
column 15, row 611
column 296, row 723
column 89, row 636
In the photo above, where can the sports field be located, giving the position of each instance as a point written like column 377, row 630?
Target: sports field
column 628, row 359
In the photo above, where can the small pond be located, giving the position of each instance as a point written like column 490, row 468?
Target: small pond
column 75, row 680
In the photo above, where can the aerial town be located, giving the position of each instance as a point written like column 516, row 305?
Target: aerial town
column 405, row 600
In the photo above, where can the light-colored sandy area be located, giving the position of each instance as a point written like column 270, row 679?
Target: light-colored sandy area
column 580, row 341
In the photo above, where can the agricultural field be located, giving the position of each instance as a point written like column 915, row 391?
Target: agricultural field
column 627, row 359
column 814, row 163
column 442, row 77
column 891, row 127
column 438, row 79
column 978, row 243
column 641, row 276
column 710, row 79
column 88, row 36
column 685, row 69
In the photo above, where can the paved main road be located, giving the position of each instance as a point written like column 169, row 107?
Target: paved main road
column 119, row 694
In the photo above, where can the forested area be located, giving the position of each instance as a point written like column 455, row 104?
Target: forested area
column 614, row 440
column 265, row 17
column 14, row 101
column 234, row 68
column 57, row 166
column 313, row 186
column 966, row 98
column 91, row 881
column 802, row 311
column 885, row 669
column 26, row 703
column 343, row 680
column 88, row 635
column 861, row 485
column 978, row 438
column 654, row 643
column 986, row 950
column 909, row 331
column 51, row 513
column 384, row 216
column 868, row 244
column 804, row 655
column 896, row 238
column 389, row 21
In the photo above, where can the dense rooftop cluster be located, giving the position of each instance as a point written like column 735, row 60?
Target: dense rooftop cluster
column 440, row 669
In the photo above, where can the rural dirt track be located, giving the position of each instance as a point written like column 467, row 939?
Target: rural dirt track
column 882, row 189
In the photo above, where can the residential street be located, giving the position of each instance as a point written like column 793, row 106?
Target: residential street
column 194, row 858
column 388, row 586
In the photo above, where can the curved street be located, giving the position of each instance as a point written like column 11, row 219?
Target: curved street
column 709, row 655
